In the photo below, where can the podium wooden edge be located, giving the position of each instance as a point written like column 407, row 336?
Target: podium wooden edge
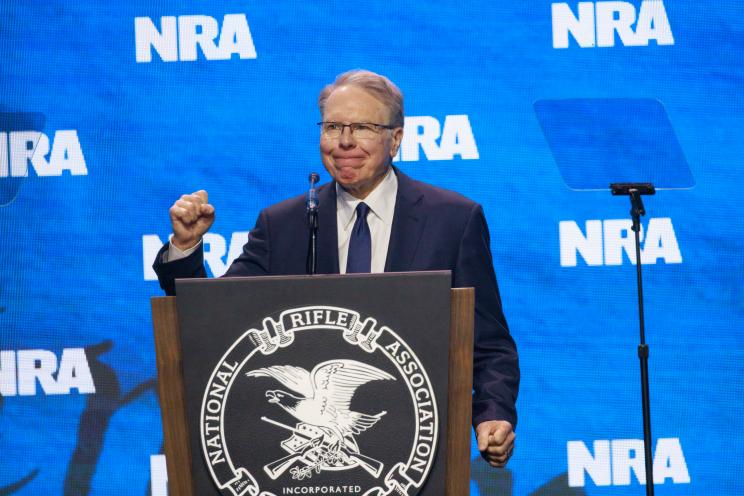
column 172, row 398
column 173, row 401
column 460, row 391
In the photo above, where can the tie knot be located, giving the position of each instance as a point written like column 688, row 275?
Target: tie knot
column 362, row 210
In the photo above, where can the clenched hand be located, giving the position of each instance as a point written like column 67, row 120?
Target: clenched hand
column 191, row 216
column 495, row 441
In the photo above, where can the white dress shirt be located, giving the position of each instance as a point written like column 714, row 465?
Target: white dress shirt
column 381, row 203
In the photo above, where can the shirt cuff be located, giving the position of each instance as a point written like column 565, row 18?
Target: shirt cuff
column 174, row 253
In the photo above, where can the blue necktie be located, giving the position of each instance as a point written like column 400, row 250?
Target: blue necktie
column 360, row 244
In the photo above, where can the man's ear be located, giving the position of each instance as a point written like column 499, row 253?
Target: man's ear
column 397, row 135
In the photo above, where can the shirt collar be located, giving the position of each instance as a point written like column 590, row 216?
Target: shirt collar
column 381, row 201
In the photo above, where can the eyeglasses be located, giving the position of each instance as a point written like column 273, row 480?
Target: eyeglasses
column 359, row 130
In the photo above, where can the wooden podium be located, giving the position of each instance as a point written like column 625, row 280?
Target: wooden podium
column 178, row 432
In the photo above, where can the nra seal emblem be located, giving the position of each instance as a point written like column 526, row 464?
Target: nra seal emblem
column 319, row 400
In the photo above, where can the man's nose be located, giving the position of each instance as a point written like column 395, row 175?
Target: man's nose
column 346, row 140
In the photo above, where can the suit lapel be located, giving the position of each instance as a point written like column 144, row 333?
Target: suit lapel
column 327, row 230
column 409, row 220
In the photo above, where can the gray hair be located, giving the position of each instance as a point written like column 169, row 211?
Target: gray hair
column 376, row 84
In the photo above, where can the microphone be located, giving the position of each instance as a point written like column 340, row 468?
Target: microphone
column 312, row 217
column 312, row 195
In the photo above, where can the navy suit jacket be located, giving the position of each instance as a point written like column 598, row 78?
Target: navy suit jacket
column 433, row 229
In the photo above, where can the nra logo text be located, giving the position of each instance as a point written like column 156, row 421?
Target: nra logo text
column 437, row 141
column 19, row 149
column 611, row 242
column 215, row 249
column 21, row 371
column 615, row 461
column 182, row 38
column 596, row 23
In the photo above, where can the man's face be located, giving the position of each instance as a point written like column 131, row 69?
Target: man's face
column 358, row 165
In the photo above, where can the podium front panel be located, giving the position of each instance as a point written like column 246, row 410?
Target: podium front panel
column 317, row 385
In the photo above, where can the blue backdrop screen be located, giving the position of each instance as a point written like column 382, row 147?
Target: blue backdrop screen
column 111, row 111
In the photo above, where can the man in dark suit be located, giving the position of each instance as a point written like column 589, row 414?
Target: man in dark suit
column 374, row 218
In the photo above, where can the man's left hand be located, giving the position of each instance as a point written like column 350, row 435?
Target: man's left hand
column 495, row 441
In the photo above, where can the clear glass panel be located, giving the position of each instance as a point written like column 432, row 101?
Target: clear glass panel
column 596, row 142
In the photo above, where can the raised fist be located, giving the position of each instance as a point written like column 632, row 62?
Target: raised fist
column 191, row 216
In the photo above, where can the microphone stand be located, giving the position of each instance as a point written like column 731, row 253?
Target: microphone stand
column 312, row 221
column 634, row 191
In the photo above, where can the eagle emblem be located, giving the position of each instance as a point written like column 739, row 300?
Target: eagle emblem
column 324, row 435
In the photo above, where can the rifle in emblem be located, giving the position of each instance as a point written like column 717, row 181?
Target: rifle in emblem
column 303, row 445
